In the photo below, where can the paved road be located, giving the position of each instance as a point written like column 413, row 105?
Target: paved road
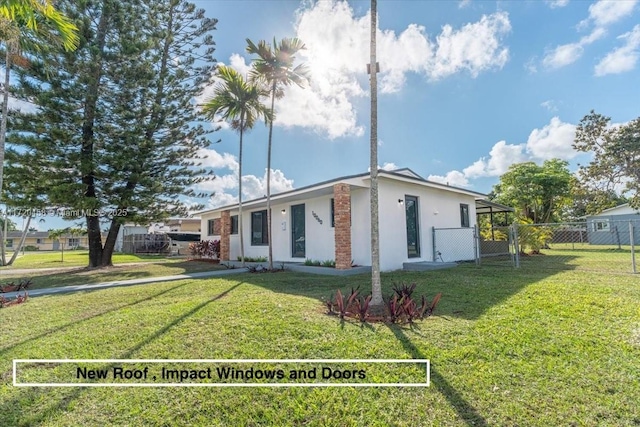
column 130, row 282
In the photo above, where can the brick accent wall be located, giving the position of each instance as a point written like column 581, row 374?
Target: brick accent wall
column 342, row 222
column 225, row 225
column 216, row 227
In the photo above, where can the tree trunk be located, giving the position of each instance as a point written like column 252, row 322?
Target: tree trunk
column 269, row 234
column 3, row 138
column 22, row 239
column 240, row 190
column 376, row 288
column 110, row 244
column 87, row 153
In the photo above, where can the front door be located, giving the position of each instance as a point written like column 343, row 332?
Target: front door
column 297, row 231
column 413, row 241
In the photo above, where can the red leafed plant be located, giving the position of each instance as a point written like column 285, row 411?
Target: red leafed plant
column 400, row 306
column 5, row 302
column 205, row 249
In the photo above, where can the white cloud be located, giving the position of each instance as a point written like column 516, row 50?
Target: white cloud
column 602, row 14
column 239, row 64
column 453, row 178
column 463, row 4
column 551, row 141
column 215, row 160
column 550, row 105
column 337, row 51
column 607, row 12
column 553, row 4
column 569, row 53
column 475, row 47
column 225, row 186
column 563, row 55
column 623, row 58
column 388, row 166
column 501, row 156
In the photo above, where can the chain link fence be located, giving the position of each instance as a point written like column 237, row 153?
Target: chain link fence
column 603, row 245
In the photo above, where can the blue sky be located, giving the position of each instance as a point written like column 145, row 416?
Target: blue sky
column 466, row 87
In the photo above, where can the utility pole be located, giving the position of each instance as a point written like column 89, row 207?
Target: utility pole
column 377, row 304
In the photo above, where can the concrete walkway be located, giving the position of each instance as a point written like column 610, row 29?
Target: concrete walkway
column 130, row 282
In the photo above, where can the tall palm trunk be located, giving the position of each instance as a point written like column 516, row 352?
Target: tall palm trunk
column 240, row 190
column 376, row 288
column 270, row 237
column 3, row 137
column 21, row 244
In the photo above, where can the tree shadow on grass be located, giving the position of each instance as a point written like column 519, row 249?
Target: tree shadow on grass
column 83, row 275
column 467, row 291
column 62, row 328
column 21, row 406
column 463, row 408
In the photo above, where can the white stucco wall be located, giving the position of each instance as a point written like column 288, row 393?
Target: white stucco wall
column 319, row 237
column 436, row 208
column 360, row 226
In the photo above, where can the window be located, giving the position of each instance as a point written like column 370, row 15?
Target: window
column 9, row 243
column 39, row 241
column 601, row 225
column 333, row 214
column 73, row 242
column 464, row 215
column 210, row 227
column 259, row 229
column 333, row 220
column 234, row 224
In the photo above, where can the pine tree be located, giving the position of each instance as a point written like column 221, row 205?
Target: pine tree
column 116, row 118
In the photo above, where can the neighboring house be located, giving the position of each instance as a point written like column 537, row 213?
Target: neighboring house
column 41, row 240
column 331, row 221
column 612, row 226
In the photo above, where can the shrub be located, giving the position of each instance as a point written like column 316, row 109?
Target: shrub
column 400, row 306
column 253, row 259
column 205, row 249
column 30, row 248
column 329, row 263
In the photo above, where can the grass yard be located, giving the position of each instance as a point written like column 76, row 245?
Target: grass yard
column 80, row 258
column 82, row 276
column 532, row 347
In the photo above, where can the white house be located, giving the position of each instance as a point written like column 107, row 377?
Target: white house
column 331, row 221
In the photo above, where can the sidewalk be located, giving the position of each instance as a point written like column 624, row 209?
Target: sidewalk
column 130, row 282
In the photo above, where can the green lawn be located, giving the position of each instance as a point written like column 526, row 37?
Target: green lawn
column 82, row 276
column 528, row 347
column 49, row 259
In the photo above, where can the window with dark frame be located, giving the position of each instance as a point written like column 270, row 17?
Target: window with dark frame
column 210, row 227
column 234, row 224
column 333, row 219
column 464, row 215
column 259, row 229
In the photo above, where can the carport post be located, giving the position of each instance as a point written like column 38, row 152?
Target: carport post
column 633, row 249
column 476, row 243
column 514, row 230
column 433, row 243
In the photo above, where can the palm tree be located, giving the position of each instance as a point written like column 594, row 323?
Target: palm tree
column 237, row 101
column 32, row 14
column 376, row 288
column 274, row 67
column 23, row 23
